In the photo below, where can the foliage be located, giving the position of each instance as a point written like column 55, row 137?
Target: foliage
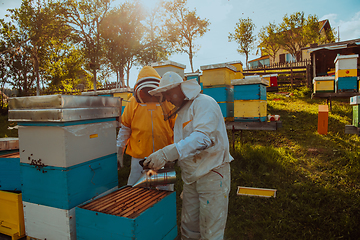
column 85, row 18
column 121, row 32
column 155, row 46
column 269, row 40
column 38, row 23
column 244, row 36
column 183, row 28
column 297, row 31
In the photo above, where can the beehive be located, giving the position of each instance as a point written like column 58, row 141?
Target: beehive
column 11, row 215
column 250, row 100
column 217, row 75
column 272, row 78
column 346, row 84
column 224, row 96
column 10, row 178
column 324, row 84
column 67, row 156
column 128, row 213
column 166, row 66
column 239, row 69
column 355, row 102
column 346, row 65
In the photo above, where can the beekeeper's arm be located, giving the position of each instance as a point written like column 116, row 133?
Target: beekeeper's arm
column 204, row 123
column 122, row 140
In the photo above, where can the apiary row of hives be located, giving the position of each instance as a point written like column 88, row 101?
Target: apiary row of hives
column 345, row 79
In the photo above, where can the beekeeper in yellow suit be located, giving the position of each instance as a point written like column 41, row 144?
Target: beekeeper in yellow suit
column 201, row 146
column 143, row 128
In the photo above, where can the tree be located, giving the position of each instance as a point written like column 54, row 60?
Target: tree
column 17, row 59
column 38, row 23
column 183, row 28
column 297, row 31
column 121, row 32
column 155, row 47
column 244, row 36
column 269, row 40
column 85, row 17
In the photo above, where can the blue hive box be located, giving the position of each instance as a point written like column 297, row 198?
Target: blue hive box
column 65, row 188
column 10, row 178
column 346, row 84
column 125, row 214
column 220, row 94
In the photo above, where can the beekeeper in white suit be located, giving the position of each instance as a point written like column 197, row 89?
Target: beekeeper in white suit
column 201, row 146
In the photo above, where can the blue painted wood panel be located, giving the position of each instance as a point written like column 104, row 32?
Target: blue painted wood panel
column 250, row 92
column 250, row 119
column 10, row 179
column 64, row 124
column 156, row 222
column 227, row 109
column 66, row 188
column 346, row 84
column 220, row 94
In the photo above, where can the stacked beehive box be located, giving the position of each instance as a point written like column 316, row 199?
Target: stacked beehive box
column 324, row 84
column 346, row 73
column 239, row 69
column 128, row 213
column 355, row 102
column 250, row 100
column 166, row 66
column 11, row 208
column 67, row 156
column 216, row 80
column 123, row 93
column 272, row 78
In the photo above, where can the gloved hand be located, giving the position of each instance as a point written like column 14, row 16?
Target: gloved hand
column 159, row 158
column 120, row 158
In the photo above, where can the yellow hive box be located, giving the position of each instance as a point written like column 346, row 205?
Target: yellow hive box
column 217, row 74
column 345, row 73
column 239, row 69
column 324, row 84
column 11, row 215
column 166, row 66
column 250, row 110
column 124, row 95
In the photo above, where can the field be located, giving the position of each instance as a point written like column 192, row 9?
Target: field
column 317, row 177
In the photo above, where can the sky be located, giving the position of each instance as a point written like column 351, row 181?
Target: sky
column 223, row 15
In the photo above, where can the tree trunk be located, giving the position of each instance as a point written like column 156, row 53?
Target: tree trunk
column 94, row 73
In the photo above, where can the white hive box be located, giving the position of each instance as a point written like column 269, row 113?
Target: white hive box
column 67, row 145
column 43, row 222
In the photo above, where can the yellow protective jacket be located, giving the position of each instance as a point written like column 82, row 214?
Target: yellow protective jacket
column 149, row 131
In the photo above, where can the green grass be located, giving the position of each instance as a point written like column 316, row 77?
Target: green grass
column 317, row 177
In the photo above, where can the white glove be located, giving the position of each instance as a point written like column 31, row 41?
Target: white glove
column 159, row 158
column 120, row 158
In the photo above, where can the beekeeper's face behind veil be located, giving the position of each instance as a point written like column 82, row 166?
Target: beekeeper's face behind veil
column 171, row 96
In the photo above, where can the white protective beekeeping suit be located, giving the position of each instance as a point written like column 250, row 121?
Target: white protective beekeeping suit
column 202, row 145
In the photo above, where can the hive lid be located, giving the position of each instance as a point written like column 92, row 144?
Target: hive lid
column 62, row 115
column 62, row 101
column 342, row 57
column 219, row 65
column 256, row 79
column 9, row 144
column 325, row 78
column 166, row 63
